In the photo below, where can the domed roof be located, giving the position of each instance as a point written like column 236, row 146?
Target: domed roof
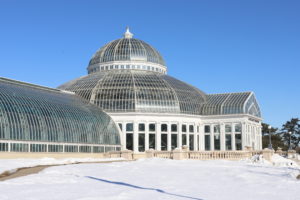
column 126, row 49
column 138, row 91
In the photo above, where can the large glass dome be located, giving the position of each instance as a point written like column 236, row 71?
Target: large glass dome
column 128, row 75
column 127, row 53
column 138, row 91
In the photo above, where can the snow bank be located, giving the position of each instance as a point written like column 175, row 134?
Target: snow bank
column 280, row 161
column 257, row 159
column 11, row 165
column 276, row 160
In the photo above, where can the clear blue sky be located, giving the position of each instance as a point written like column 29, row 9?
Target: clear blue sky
column 217, row 46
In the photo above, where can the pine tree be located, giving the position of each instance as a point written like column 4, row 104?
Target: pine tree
column 292, row 126
column 275, row 137
column 265, row 129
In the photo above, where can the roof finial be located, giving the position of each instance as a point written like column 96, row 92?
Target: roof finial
column 127, row 34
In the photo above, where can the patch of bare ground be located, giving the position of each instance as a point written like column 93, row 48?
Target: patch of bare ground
column 24, row 171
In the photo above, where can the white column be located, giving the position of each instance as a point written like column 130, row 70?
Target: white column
column 188, row 135
column 9, row 144
column 201, row 136
column 146, row 136
column 158, row 136
column 253, row 144
column 232, row 137
column 195, row 138
column 250, row 130
column 222, row 137
column 135, row 137
column 260, row 138
column 123, row 136
column 244, row 135
column 212, row 139
column 179, row 142
column 169, row 146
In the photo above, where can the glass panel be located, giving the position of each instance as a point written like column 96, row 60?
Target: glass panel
column 141, row 127
column 109, row 149
column 120, row 126
column 207, row 142
column 98, row 149
column 18, row 147
column 141, row 142
column 238, row 141
column 129, row 127
column 164, row 142
column 216, row 128
column 238, row 128
column 191, row 128
column 38, row 148
column 71, row 148
column 174, row 127
column 207, row 129
column 184, row 139
column 192, row 142
column 3, row 146
column 217, row 141
column 152, row 141
column 184, row 128
column 252, row 107
column 164, row 128
column 174, row 141
column 85, row 149
column 129, row 141
column 228, row 142
column 151, row 127
column 228, row 128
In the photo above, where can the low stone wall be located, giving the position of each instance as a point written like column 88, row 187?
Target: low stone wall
column 177, row 154
column 163, row 154
column 226, row 155
column 180, row 154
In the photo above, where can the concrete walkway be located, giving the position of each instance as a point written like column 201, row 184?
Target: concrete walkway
column 24, row 171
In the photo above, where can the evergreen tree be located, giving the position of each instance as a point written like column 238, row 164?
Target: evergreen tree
column 276, row 142
column 292, row 126
column 275, row 138
column 265, row 129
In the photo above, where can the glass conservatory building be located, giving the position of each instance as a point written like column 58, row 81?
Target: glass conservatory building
column 127, row 78
column 40, row 119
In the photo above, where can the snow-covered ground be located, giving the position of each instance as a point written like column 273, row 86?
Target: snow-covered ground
column 153, row 179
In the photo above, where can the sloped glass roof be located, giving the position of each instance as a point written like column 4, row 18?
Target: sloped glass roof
column 231, row 103
column 35, row 113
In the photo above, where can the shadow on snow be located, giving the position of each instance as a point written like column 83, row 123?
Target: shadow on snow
column 142, row 188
